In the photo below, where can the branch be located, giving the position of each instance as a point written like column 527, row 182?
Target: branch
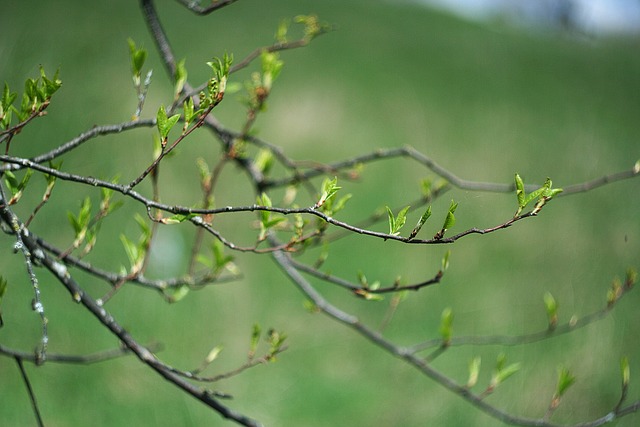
column 32, row 396
column 60, row 272
column 284, row 261
column 87, row 359
column 194, row 7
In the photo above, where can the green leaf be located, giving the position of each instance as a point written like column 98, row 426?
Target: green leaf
column 507, row 372
column 474, row 371
column 450, row 220
column 396, row 223
column 281, row 32
column 131, row 249
column 329, row 189
column 552, row 310
column 80, row 223
column 264, row 161
column 221, row 260
column 177, row 219
column 49, row 86
column 502, row 371
column 165, row 123
column 276, row 341
column 565, row 380
column 445, row 261
column 188, row 109
column 446, row 326
column 271, row 67
column 520, row 194
column 425, row 216
column 624, row 370
column 11, row 181
column 180, row 77
column 256, row 332
column 138, row 57
column 178, row 293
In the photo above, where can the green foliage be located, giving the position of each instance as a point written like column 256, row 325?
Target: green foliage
column 267, row 221
column 276, row 343
column 445, row 261
column 137, row 251
column 165, row 123
column 625, row 372
column 449, row 221
column 180, row 78
column 16, row 187
column 138, row 58
column 35, row 98
column 217, row 84
column 264, row 161
column 551, row 307
column 474, row 371
column 425, row 216
column 565, row 380
column 397, row 222
column 80, row 222
column 543, row 194
column 329, row 190
column 446, row 326
column 313, row 27
column 502, row 372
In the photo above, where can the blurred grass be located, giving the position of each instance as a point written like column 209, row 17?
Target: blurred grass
column 484, row 102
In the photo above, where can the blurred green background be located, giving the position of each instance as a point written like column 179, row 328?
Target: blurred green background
column 483, row 101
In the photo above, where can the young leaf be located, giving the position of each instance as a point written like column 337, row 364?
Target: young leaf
column 520, row 195
column 626, row 373
column 446, row 326
column 178, row 293
column 138, row 56
column 255, row 339
column 165, row 123
column 264, row 161
column 329, row 189
column 445, row 261
column 396, row 223
column 565, row 380
column 474, row 371
column 180, row 77
column 425, row 216
column 213, row 354
column 552, row 310
column 450, row 220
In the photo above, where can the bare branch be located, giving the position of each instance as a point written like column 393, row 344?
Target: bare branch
column 195, row 7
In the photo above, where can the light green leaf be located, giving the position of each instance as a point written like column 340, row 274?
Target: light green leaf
column 329, row 189
column 178, row 293
column 624, row 370
column 446, row 326
column 565, row 380
column 450, row 220
column 425, row 216
column 552, row 310
column 474, row 371
column 165, row 123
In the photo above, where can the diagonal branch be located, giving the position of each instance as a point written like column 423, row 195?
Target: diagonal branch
column 60, row 272
column 408, row 355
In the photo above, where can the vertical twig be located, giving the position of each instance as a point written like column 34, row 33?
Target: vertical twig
column 32, row 396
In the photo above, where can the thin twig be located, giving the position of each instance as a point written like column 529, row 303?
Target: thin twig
column 32, row 396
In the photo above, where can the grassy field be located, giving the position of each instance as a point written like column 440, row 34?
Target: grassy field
column 483, row 101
